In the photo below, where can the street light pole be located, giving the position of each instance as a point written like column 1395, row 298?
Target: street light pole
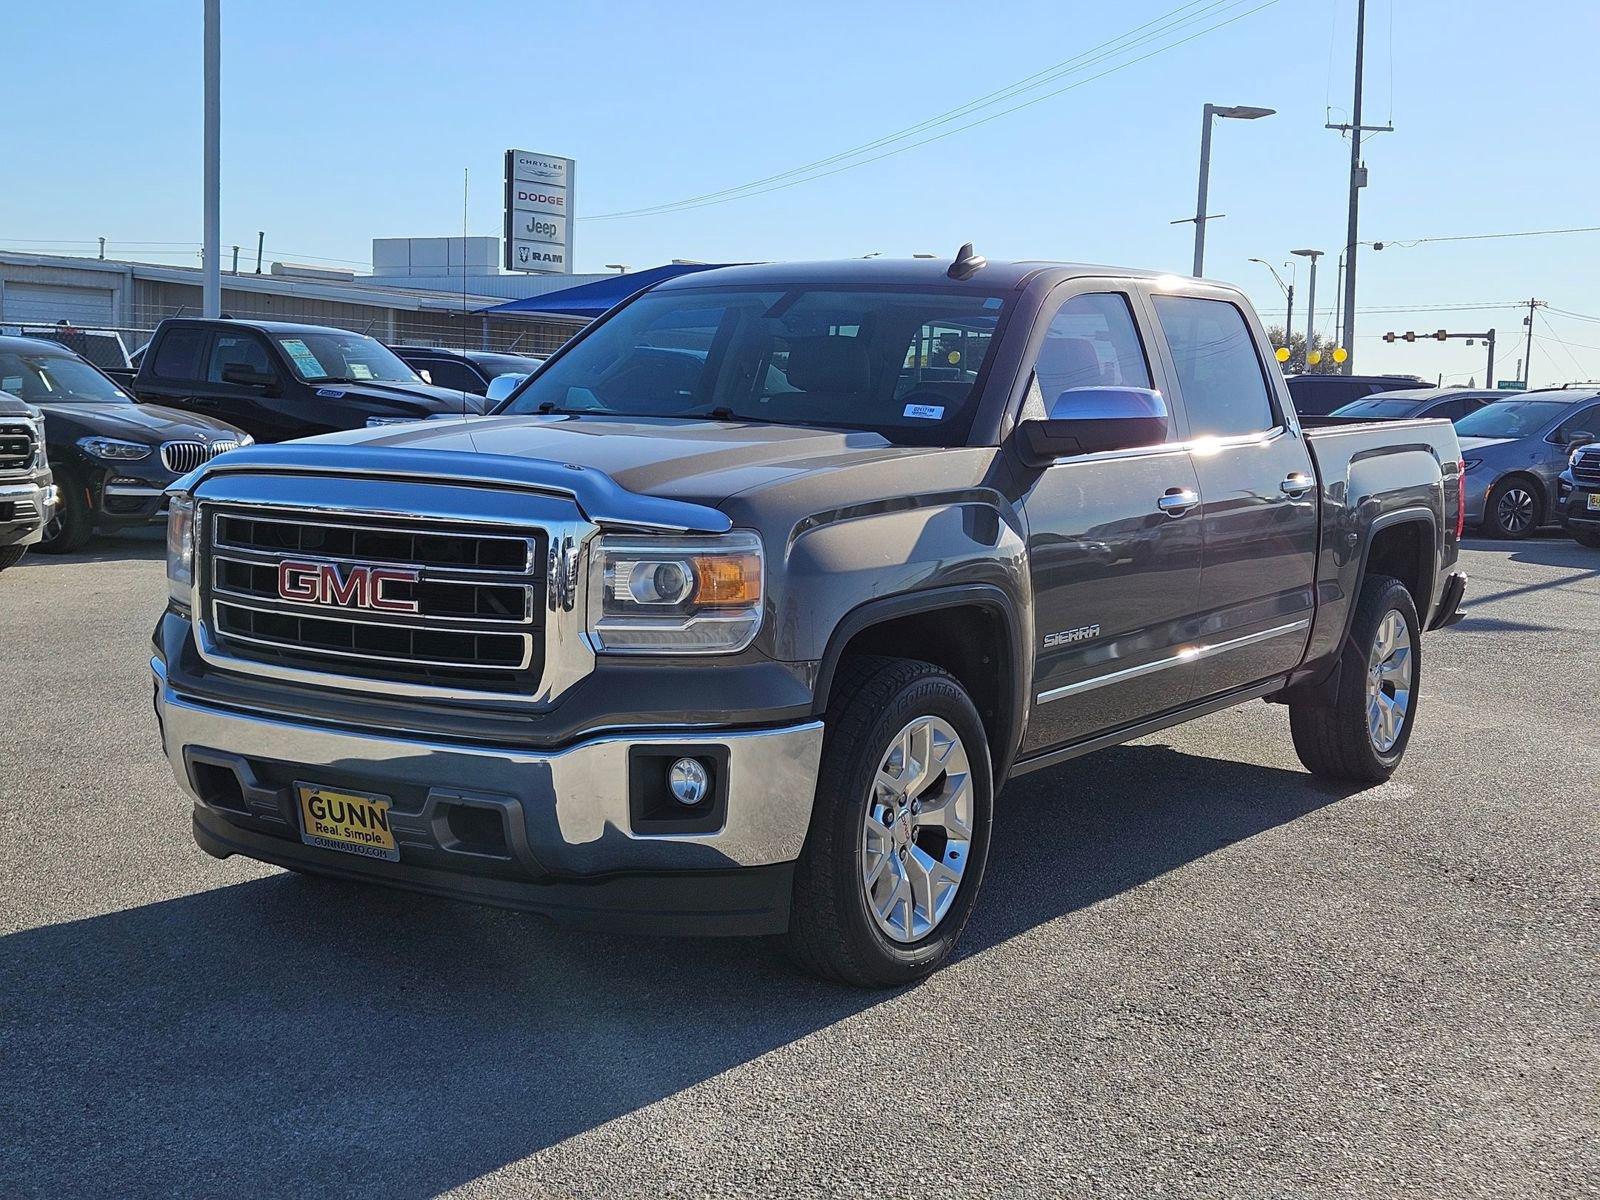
column 1311, row 300
column 1237, row 112
column 211, row 281
column 1288, row 290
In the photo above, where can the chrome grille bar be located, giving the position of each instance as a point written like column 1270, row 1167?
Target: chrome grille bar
column 185, row 456
column 16, row 447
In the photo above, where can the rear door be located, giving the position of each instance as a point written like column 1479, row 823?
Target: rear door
column 1115, row 574
column 1258, row 488
column 174, row 371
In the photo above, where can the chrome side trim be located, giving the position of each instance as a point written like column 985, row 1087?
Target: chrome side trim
column 1188, row 654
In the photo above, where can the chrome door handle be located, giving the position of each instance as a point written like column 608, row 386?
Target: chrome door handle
column 1178, row 501
column 1297, row 484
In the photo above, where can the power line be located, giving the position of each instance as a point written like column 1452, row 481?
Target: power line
column 1481, row 237
column 745, row 191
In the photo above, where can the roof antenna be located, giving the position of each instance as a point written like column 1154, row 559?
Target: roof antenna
column 967, row 263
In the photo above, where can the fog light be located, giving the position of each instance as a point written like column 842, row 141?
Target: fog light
column 687, row 781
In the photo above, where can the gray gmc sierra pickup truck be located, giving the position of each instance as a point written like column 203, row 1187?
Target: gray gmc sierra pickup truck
column 738, row 613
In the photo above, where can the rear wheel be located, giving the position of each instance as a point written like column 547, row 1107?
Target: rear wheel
column 73, row 523
column 1362, row 733
column 1513, row 509
column 899, row 829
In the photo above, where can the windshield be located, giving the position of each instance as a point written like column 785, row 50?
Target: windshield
column 343, row 358
column 901, row 363
column 505, row 364
column 43, row 377
column 1382, row 409
column 1510, row 418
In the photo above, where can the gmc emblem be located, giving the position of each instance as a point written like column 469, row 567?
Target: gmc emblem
column 353, row 587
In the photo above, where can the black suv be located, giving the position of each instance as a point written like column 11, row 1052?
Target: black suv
column 112, row 458
column 278, row 381
column 1319, row 395
column 469, row 370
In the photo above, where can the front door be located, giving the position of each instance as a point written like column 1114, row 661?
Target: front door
column 1114, row 545
column 1259, row 498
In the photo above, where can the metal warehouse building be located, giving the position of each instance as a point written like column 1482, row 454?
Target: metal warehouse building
column 133, row 297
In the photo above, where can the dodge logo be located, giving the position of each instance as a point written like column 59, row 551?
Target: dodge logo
column 351, row 587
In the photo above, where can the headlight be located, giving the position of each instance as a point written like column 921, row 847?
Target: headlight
column 112, row 449
column 180, row 546
column 374, row 422
column 246, row 440
column 1468, row 463
column 41, row 452
column 661, row 595
column 1572, row 459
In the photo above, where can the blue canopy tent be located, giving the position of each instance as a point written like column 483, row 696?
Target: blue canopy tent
column 592, row 299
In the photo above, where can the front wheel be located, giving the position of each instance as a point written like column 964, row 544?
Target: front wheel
column 899, row 830
column 1362, row 734
column 73, row 523
column 1512, row 509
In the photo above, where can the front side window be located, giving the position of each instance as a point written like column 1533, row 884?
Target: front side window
column 1091, row 342
column 1224, row 389
column 1587, row 421
column 46, row 377
column 238, row 350
column 178, row 356
column 448, row 373
column 330, row 356
column 903, row 363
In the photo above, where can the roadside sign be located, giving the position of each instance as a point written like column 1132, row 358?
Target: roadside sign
column 538, row 213
column 1511, row 385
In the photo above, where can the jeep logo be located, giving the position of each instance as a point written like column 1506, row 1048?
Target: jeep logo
column 349, row 587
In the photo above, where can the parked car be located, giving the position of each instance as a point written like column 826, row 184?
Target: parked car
column 1318, row 395
column 757, row 658
column 1514, row 451
column 27, row 488
column 1579, row 488
column 112, row 459
column 1448, row 404
column 278, row 381
column 469, row 370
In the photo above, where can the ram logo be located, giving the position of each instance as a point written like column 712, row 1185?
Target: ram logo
column 1084, row 633
column 355, row 586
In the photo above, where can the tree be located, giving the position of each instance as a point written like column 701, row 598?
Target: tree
column 1297, row 352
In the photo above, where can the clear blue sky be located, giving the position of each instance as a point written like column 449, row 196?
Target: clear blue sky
column 349, row 120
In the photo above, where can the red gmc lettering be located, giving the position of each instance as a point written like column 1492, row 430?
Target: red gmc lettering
column 355, row 587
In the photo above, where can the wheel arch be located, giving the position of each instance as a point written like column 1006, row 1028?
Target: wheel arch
column 969, row 630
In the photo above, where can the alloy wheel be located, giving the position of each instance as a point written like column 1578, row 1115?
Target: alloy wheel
column 917, row 836
column 1515, row 510
column 1389, row 676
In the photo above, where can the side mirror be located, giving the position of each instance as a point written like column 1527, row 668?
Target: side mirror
column 244, row 376
column 502, row 386
column 1089, row 420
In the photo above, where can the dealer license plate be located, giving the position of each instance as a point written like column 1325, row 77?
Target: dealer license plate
column 352, row 822
column 1593, row 502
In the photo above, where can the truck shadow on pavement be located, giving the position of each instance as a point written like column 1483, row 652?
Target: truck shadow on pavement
column 290, row 1035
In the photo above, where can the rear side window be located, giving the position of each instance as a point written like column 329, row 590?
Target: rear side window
column 1219, row 372
column 179, row 354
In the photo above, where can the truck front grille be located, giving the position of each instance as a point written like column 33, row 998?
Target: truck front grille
column 377, row 599
column 1586, row 469
column 184, row 457
column 16, row 446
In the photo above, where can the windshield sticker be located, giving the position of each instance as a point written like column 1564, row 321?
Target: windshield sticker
column 308, row 362
column 360, row 370
column 928, row 412
column 330, row 393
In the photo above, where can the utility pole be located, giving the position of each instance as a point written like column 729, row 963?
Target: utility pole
column 211, row 287
column 1527, row 361
column 1488, row 379
column 1358, row 180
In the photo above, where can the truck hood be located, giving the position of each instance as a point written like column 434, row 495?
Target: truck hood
column 701, row 461
column 418, row 397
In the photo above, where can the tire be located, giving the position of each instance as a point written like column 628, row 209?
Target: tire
column 1338, row 740
column 882, row 707
column 1585, row 537
column 10, row 556
column 74, row 523
column 1513, row 509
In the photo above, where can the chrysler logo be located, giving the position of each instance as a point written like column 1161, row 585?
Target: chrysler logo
column 347, row 587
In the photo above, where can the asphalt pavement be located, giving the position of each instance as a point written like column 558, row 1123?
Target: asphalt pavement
column 1194, row 970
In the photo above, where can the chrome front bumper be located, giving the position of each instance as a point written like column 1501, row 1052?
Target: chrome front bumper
column 567, row 812
column 34, row 507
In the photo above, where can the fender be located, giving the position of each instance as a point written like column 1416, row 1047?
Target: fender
column 1016, row 674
